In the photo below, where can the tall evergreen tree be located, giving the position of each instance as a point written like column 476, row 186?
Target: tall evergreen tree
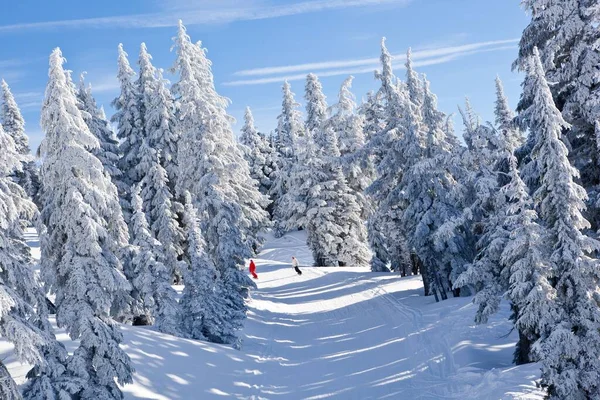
column 207, row 313
column 151, row 278
column 505, row 118
column 84, row 231
column 159, row 210
column 569, row 346
column 289, row 130
column 24, row 314
column 439, row 135
column 161, row 128
column 525, row 259
column 316, row 104
column 293, row 207
column 372, row 111
column 500, row 200
column 336, row 233
column 214, row 171
column 157, row 166
column 481, row 164
column 420, row 203
column 258, row 153
column 94, row 117
column 381, row 147
column 128, row 117
column 566, row 34
column 14, row 125
column 414, row 86
column 349, row 127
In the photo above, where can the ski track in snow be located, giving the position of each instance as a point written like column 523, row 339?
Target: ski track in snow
column 331, row 333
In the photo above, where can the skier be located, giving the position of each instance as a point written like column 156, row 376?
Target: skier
column 253, row 269
column 295, row 265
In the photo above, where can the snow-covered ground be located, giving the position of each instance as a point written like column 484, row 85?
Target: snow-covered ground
column 332, row 333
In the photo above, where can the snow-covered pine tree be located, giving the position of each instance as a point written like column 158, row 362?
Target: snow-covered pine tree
column 95, row 118
column 507, row 128
column 151, row 278
column 408, row 152
column 414, row 86
column 214, row 171
column 14, row 124
column 145, row 83
column 566, row 34
column 422, row 197
column 130, row 130
column 289, row 129
column 372, row 111
column 439, row 135
column 381, row 147
column 349, row 128
column 347, row 124
column 569, row 346
column 294, row 204
column 24, row 314
column 303, row 176
column 207, row 313
column 480, row 164
column 79, row 260
column 316, row 104
column 511, row 134
column 525, row 259
column 499, row 198
column 158, row 114
column 258, row 153
column 159, row 210
column 485, row 219
column 157, row 164
column 336, row 232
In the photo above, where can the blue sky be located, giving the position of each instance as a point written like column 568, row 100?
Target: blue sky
column 255, row 44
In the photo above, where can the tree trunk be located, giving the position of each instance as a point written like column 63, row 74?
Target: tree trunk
column 522, row 350
column 141, row 320
column 425, row 275
column 439, row 286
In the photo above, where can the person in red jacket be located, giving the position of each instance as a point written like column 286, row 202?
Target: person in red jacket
column 253, row 269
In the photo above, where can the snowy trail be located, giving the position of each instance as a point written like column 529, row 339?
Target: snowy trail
column 347, row 333
column 339, row 333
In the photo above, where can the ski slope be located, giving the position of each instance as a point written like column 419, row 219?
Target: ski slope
column 342, row 333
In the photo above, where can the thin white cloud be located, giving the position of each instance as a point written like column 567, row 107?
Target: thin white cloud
column 29, row 100
column 10, row 63
column 12, row 70
column 398, row 63
column 30, row 105
column 29, row 96
column 416, row 55
column 102, row 83
column 202, row 13
column 12, row 76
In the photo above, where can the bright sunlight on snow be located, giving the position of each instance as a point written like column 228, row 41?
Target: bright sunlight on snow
column 342, row 333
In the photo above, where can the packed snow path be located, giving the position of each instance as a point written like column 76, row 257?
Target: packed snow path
column 342, row 333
